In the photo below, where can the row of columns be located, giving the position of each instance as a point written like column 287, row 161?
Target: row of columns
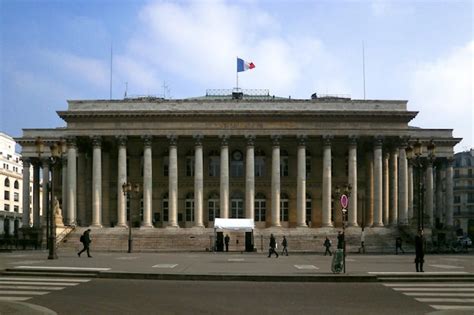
column 390, row 183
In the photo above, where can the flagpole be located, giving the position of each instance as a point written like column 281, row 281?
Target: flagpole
column 237, row 76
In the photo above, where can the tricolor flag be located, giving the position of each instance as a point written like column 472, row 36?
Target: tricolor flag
column 243, row 65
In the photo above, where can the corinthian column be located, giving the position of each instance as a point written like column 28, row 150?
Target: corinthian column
column 173, row 182
column 301, row 184
column 327, row 182
column 250, row 179
column 378, row 203
column 393, row 211
column 36, row 195
column 224, row 180
column 276, row 181
column 121, row 179
column 64, row 185
column 386, row 188
column 96, row 182
column 26, row 193
column 429, row 185
column 403, row 185
column 449, row 192
column 45, row 195
column 410, row 191
column 198, row 182
column 352, row 215
column 147, row 181
column 71, row 181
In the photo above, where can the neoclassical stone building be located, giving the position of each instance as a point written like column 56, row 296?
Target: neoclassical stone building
column 272, row 159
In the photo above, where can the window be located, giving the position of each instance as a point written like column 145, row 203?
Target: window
column 470, row 197
column 189, row 164
column 16, row 185
column 214, row 164
column 259, row 163
column 308, row 208
column 457, row 199
column 469, row 172
column 165, row 207
column 213, row 206
column 308, row 164
column 284, row 163
column 7, row 182
column 16, row 208
column 166, row 167
column 456, row 173
column 284, row 207
column 16, row 196
column 6, row 195
column 237, row 206
column 260, row 208
column 237, row 164
column 7, row 207
column 189, row 206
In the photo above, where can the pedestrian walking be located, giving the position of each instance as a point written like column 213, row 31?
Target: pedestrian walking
column 419, row 251
column 398, row 245
column 327, row 244
column 340, row 240
column 284, row 244
column 226, row 241
column 272, row 246
column 86, row 241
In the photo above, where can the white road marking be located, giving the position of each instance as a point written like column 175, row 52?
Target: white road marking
column 235, row 259
column 165, row 266
column 44, row 279
column 313, row 267
column 29, row 287
column 446, row 266
column 37, row 283
column 127, row 258
column 444, row 300
column 62, row 268
column 14, row 298
column 429, row 284
column 453, row 307
column 23, row 292
column 435, row 289
column 26, row 262
column 418, row 273
column 457, row 294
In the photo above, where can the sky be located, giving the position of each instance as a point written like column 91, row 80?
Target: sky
column 420, row 51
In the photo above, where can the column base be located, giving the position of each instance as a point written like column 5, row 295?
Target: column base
column 121, row 225
column 96, row 225
column 327, row 225
column 147, row 226
column 199, row 226
column 172, row 227
column 301, row 226
column 353, row 225
column 377, row 225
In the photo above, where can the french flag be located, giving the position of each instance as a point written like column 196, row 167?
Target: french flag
column 243, row 65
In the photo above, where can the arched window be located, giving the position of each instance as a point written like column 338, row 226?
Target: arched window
column 7, row 182
column 189, row 206
column 284, row 205
column 237, row 164
column 309, row 206
column 468, row 161
column 214, row 163
column 260, row 207
column 16, row 185
column 237, row 206
column 259, row 163
column 213, row 206
column 165, row 207
column 190, row 163
column 284, row 163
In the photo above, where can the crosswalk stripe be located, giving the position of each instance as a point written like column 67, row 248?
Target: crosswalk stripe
column 14, row 298
column 429, row 284
column 38, row 283
column 454, row 307
column 45, row 279
column 10, row 292
column 439, row 294
column 444, row 300
column 63, row 268
column 29, row 287
column 434, row 289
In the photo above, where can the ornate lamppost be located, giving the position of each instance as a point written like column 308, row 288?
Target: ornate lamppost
column 128, row 188
column 56, row 149
column 344, row 195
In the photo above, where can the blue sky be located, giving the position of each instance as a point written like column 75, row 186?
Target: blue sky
column 421, row 51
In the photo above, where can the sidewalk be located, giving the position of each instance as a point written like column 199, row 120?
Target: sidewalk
column 230, row 266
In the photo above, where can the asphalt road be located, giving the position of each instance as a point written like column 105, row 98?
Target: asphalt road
column 113, row 296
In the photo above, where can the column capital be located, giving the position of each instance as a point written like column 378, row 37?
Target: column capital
column 198, row 139
column 449, row 161
column 276, row 140
column 302, row 140
column 250, row 140
column 378, row 141
column 45, row 162
column 96, row 141
column 353, row 140
column 327, row 139
column 224, row 140
column 121, row 140
column 147, row 140
column 403, row 142
column 71, row 141
column 26, row 162
column 173, row 139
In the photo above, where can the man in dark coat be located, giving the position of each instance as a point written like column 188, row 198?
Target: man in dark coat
column 272, row 246
column 419, row 251
column 86, row 241
column 340, row 240
column 284, row 243
column 327, row 244
column 226, row 241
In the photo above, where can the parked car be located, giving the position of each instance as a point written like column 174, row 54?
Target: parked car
column 465, row 241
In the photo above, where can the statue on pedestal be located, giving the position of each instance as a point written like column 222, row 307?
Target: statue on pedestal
column 58, row 218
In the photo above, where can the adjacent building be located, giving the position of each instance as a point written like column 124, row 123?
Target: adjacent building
column 236, row 155
column 464, row 191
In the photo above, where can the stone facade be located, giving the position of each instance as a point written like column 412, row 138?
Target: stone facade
column 464, row 191
column 275, row 160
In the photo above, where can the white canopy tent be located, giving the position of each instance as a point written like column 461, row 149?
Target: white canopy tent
column 234, row 224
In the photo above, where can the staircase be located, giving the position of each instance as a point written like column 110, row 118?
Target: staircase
column 377, row 240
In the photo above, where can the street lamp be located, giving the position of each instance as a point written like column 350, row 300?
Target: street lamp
column 415, row 156
column 56, row 149
column 128, row 188
column 344, row 195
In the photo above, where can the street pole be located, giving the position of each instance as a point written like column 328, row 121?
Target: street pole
column 52, row 233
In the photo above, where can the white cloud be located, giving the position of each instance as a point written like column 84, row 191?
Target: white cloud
column 442, row 90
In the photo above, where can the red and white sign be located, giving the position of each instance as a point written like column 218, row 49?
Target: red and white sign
column 344, row 201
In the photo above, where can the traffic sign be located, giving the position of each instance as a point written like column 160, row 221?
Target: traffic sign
column 344, row 201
